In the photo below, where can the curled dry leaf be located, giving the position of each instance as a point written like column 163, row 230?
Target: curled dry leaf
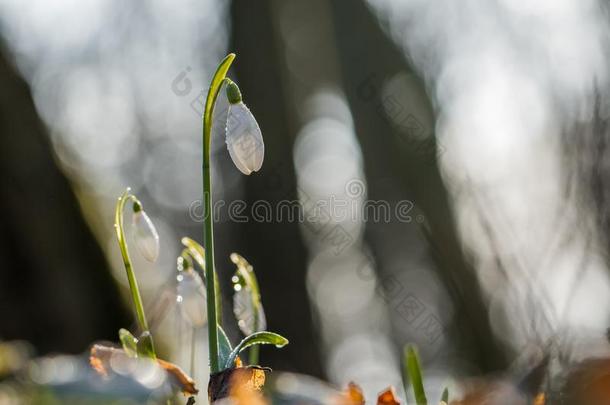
column 588, row 383
column 539, row 399
column 186, row 383
column 351, row 396
column 101, row 355
column 227, row 382
column 246, row 394
column 388, row 397
column 354, row 393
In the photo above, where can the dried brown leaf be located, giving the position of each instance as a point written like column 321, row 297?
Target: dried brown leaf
column 100, row 356
column 540, row 399
column 351, row 396
column 388, row 397
column 588, row 383
column 232, row 381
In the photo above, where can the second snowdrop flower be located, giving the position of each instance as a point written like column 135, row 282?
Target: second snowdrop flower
column 191, row 296
column 145, row 234
column 243, row 135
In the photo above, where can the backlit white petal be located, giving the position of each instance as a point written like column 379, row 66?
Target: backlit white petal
column 244, row 139
column 146, row 236
column 191, row 297
column 243, row 308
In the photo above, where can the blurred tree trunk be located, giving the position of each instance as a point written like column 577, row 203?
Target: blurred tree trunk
column 275, row 248
column 55, row 287
column 395, row 123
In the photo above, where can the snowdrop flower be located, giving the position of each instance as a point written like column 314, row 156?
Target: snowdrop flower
column 243, row 136
column 244, row 311
column 247, row 305
column 145, row 234
column 192, row 297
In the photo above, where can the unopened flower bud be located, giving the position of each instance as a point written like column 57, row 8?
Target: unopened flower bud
column 145, row 234
column 192, row 298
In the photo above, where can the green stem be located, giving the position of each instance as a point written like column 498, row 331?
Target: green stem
column 253, row 355
column 208, row 228
column 131, row 278
column 208, row 241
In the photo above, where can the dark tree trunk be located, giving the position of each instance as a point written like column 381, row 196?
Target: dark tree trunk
column 55, row 287
column 274, row 248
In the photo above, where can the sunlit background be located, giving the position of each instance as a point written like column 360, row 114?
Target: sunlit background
column 488, row 118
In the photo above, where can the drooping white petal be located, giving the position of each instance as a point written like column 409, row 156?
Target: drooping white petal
column 243, row 309
column 192, row 298
column 244, row 139
column 146, row 236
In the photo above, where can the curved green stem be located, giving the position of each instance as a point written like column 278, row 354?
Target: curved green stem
column 131, row 278
column 208, row 228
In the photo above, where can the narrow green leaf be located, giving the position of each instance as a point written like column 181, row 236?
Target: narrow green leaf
column 445, row 397
column 413, row 372
column 224, row 346
column 129, row 342
column 258, row 338
column 145, row 346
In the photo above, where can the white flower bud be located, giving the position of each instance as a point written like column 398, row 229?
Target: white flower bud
column 145, row 235
column 243, row 308
column 192, row 298
column 244, row 139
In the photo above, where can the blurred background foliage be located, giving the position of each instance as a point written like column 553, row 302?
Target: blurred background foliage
column 497, row 136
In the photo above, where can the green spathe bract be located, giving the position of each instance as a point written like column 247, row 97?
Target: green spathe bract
column 233, row 92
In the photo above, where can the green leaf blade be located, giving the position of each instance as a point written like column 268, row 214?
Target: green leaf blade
column 445, row 396
column 413, row 373
column 258, row 338
column 129, row 342
column 224, row 346
column 145, row 346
